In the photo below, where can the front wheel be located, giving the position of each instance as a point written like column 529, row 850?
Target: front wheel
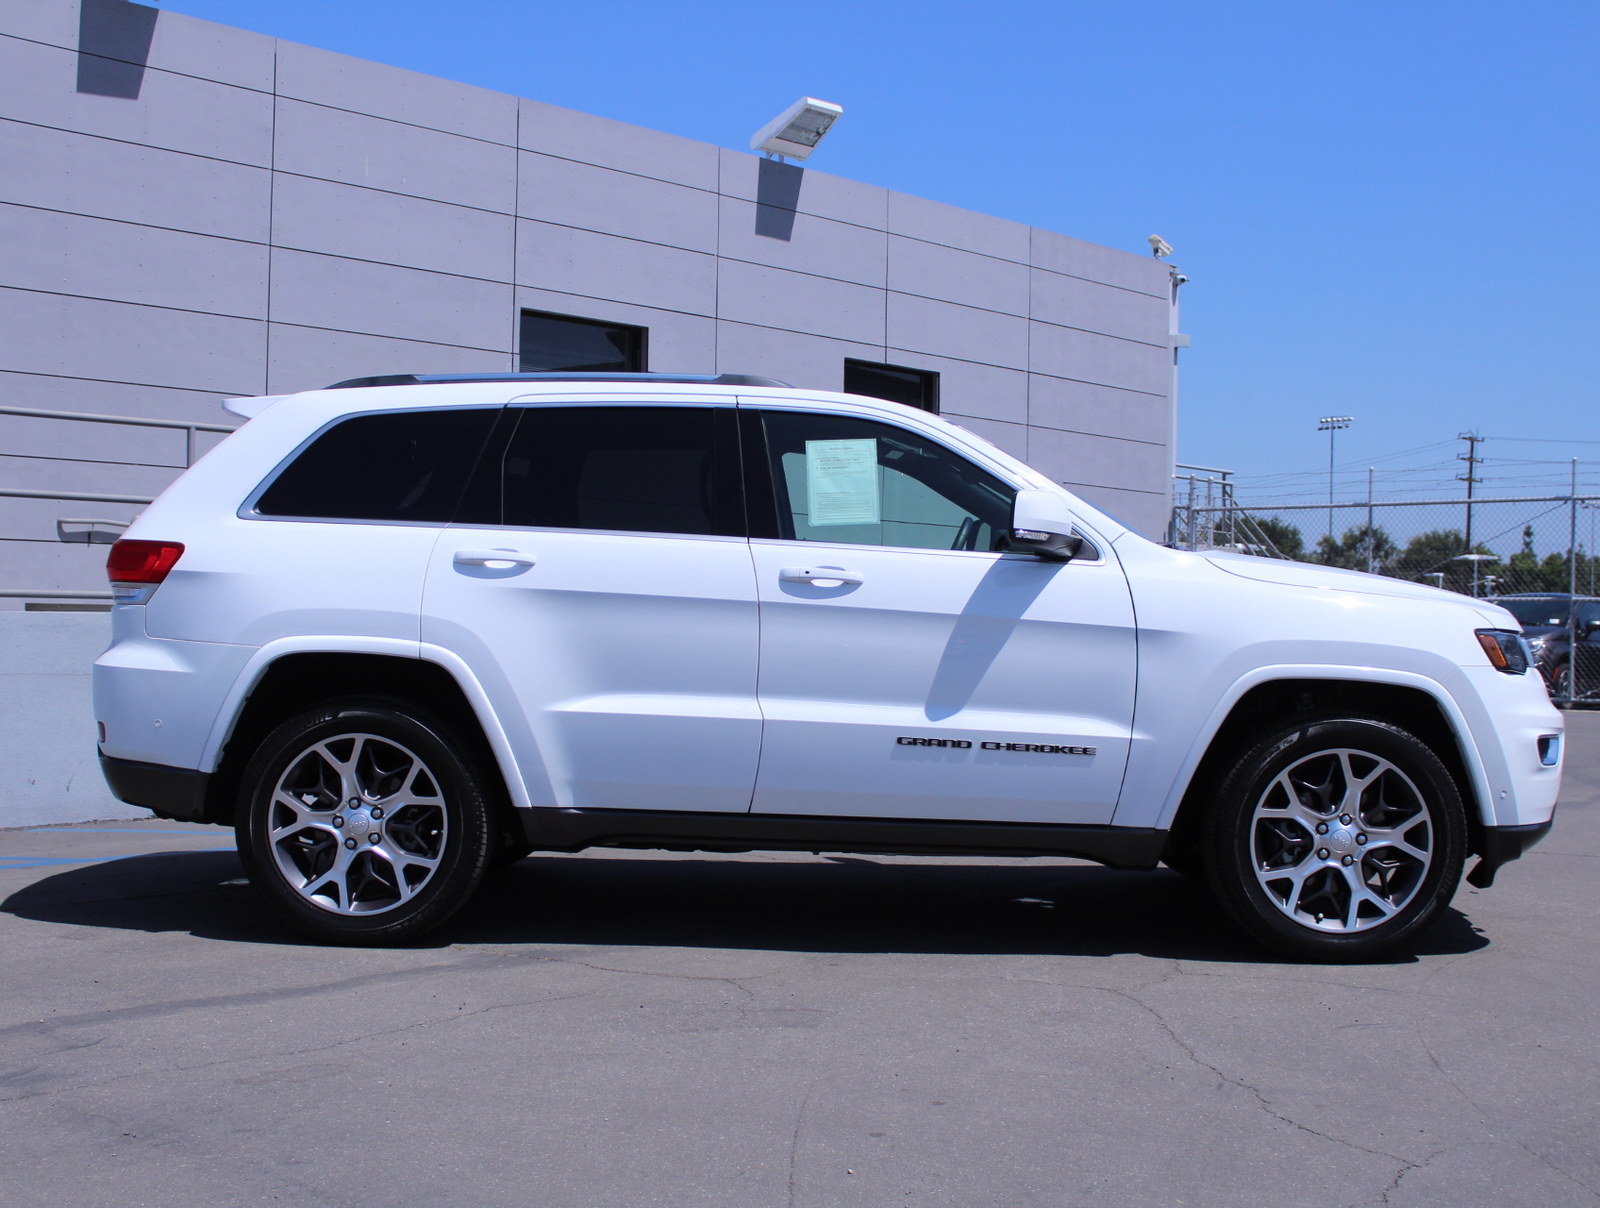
column 1338, row 839
column 365, row 822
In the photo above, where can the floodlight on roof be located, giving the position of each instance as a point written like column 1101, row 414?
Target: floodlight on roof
column 796, row 131
column 1159, row 247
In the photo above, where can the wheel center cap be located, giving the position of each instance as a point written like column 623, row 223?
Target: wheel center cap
column 1342, row 839
column 357, row 824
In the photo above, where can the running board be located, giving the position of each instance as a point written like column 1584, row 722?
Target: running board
column 573, row 830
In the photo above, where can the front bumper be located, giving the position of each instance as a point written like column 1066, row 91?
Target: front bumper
column 1503, row 844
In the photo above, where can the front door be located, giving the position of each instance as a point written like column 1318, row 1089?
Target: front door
column 599, row 585
column 932, row 676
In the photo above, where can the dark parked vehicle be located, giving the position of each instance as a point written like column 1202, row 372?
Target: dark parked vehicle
column 1546, row 621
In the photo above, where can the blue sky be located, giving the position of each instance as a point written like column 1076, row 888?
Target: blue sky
column 1387, row 210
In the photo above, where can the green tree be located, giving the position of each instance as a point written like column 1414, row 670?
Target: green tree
column 1352, row 550
column 1434, row 553
column 1523, row 572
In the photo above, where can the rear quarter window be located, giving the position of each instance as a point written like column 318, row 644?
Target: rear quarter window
column 396, row 465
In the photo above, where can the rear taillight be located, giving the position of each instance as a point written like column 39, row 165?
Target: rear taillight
column 137, row 568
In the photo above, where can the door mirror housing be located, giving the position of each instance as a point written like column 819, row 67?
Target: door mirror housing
column 1042, row 524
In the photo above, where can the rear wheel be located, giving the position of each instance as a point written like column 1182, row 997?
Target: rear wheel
column 365, row 822
column 1339, row 839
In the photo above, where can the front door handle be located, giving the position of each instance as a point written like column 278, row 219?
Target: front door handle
column 819, row 574
column 492, row 557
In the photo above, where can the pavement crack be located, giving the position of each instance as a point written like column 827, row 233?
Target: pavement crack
column 1260, row 1099
column 794, row 1141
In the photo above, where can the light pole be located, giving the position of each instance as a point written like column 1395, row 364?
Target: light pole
column 1475, row 559
column 1331, row 424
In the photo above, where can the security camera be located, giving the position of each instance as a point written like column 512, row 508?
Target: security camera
column 1159, row 247
column 796, row 131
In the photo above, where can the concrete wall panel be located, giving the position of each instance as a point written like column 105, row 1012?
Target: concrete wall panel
column 930, row 270
column 770, row 297
column 977, row 391
column 332, row 144
column 213, row 52
column 120, row 342
column 1110, row 310
column 381, row 300
column 412, row 232
column 84, row 174
column 1100, row 461
column 177, row 112
column 572, row 261
column 1088, row 357
column 309, row 358
column 587, row 138
column 1105, row 410
column 615, row 203
column 814, row 245
column 817, row 193
column 957, row 332
column 48, row 769
column 379, row 90
column 1092, row 262
column 126, row 262
column 805, row 361
column 951, row 226
column 41, row 21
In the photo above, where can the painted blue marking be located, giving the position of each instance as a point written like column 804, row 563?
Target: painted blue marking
column 10, row 862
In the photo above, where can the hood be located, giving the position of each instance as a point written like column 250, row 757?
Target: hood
column 1331, row 578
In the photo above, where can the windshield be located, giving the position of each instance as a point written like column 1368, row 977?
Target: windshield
column 1538, row 611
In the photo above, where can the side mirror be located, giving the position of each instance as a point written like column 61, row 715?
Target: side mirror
column 1042, row 524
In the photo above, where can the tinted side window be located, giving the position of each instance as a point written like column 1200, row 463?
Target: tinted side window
column 836, row 478
column 399, row 465
column 635, row 469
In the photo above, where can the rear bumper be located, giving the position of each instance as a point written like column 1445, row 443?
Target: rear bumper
column 1501, row 845
column 171, row 792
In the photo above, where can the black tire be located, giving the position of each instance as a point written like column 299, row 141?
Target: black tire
column 1561, row 693
column 1364, row 858
column 403, row 860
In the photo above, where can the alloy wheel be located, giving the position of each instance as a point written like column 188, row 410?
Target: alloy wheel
column 357, row 824
column 1341, row 840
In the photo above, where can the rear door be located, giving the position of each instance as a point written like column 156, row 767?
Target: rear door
column 909, row 669
column 598, row 583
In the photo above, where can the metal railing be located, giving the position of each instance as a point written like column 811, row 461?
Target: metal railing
column 191, row 432
column 134, row 421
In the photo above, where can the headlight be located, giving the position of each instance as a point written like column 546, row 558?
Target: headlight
column 1507, row 649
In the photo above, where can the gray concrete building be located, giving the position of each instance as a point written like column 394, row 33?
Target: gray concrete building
column 190, row 212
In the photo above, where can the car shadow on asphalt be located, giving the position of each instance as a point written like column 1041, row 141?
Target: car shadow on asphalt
column 838, row 904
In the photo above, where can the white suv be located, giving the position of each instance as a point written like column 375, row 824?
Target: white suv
column 404, row 629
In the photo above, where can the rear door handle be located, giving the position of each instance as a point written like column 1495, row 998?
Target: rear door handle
column 819, row 574
column 490, row 557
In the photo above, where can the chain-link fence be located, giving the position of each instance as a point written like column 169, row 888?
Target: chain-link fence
column 1530, row 554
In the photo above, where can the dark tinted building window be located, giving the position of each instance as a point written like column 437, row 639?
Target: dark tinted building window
column 551, row 342
column 637, row 469
column 400, row 465
column 913, row 387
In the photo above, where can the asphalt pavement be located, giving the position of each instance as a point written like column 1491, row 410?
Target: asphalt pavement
column 786, row 1032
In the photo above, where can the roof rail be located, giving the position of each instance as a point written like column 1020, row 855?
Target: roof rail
column 431, row 379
